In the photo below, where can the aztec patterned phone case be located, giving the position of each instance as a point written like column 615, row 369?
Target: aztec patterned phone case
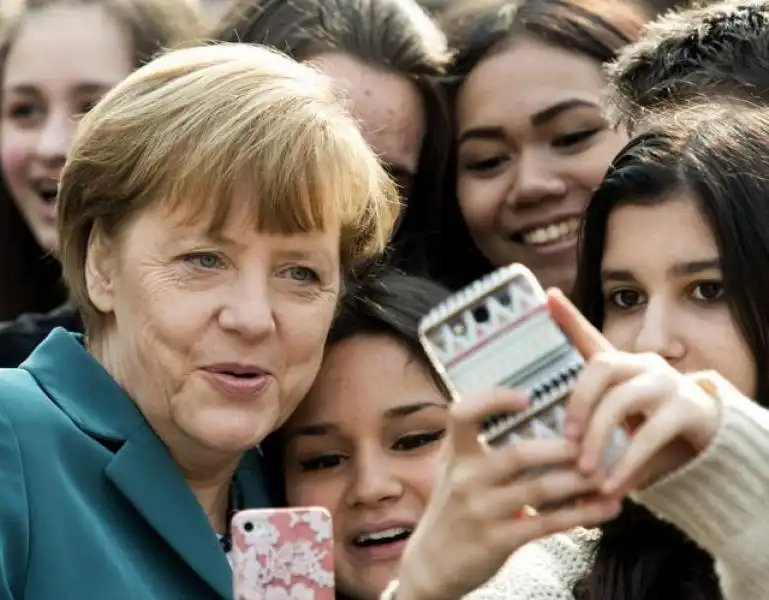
column 497, row 332
column 283, row 554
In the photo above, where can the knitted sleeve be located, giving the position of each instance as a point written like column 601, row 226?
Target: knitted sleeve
column 721, row 499
column 543, row 570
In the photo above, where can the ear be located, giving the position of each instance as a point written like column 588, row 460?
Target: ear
column 100, row 271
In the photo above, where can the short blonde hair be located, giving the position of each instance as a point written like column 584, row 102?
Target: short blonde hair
column 195, row 124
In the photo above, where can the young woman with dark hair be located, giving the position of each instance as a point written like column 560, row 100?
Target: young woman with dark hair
column 531, row 142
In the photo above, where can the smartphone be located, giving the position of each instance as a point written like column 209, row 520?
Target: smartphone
column 498, row 332
column 283, row 554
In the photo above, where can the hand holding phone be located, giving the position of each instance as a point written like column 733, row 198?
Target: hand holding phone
column 498, row 332
column 283, row 554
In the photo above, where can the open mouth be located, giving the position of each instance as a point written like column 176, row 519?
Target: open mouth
column 47, row 189
column 384, row 537
column 552, row 233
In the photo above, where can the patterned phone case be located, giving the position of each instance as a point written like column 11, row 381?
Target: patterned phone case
column 283, row 554
column 498, row 332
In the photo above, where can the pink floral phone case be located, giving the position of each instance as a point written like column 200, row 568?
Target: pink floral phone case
column 283, row 554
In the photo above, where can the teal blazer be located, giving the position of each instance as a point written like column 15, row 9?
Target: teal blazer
column 92, row 507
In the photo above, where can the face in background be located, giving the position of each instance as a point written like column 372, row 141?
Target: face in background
column 365, row 444
column 60, row 63
column 389, row 109
column 216, row 338
column 532, row 147
column 663, row 291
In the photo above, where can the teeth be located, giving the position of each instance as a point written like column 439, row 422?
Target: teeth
column 378, row 536
column 551, row 233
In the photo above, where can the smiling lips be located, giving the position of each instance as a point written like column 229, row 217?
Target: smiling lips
column 382, row 543
column 552, row 233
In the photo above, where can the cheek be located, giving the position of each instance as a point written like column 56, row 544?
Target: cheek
column 309, row 491
column 621, row 331
column 721, row 347
column 15, row 153
column 593, row 165
column 478, row 202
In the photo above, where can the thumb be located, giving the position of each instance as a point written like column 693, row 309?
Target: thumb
column 467, row 416
column 585, row 338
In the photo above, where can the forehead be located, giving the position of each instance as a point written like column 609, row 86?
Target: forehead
column 524, row 78
column 653, row 237
column 361, row 378
column 68, row 46
column 388, row 106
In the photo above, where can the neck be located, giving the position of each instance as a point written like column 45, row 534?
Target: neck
column 208, row 473
column 213, row 494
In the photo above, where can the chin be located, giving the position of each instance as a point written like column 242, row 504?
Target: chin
column 228, row 433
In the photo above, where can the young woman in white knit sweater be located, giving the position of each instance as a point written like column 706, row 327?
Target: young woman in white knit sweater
column 673, row 270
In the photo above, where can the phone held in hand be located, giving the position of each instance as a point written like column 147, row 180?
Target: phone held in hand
column 498, row 332
column 283, row 554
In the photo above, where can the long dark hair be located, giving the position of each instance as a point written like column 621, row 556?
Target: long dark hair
column 30, row 278
column 718, row 157
column 598, row 29
column 393, row 35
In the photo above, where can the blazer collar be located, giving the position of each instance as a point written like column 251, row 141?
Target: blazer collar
column 142, row 468
column 82, row 388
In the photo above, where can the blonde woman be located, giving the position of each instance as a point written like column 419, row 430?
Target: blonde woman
column 210, row 205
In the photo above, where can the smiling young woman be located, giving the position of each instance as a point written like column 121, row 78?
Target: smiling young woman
column 531, row 140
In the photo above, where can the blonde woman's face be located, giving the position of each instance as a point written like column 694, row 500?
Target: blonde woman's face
column 61, row 61
column 216, row 337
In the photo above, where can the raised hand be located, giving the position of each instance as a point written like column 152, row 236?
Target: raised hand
column 671, row 416
column 475, row 519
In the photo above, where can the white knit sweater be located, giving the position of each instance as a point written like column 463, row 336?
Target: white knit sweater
column 720, row 500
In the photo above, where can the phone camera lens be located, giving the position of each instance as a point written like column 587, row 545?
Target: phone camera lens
column 248, row 526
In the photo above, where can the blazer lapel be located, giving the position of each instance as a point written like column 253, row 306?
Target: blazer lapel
column 147, row 476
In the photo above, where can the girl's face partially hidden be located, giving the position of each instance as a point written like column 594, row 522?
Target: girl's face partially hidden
column 365, row 444
column 663, row 291
column 61, row 61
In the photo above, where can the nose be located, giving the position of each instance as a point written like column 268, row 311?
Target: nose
column 55, row 139
column 657, row 332
column 248, row 310
column 374, row 482
column 536, row 179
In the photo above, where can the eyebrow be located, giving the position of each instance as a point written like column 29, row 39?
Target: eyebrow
column 397, row 412
column 684, row 269
column 83, row 88
column 538, row 119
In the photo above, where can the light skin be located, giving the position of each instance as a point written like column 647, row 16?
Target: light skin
column 179, row 303
column 61, row 62
column 666, row 316
column 366, row 444
column 532, row 147
column 670, row 299
column 473, row 524
column 388, row 108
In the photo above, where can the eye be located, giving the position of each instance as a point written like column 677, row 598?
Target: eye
column 485, row 165
column 572, row 139
column 418, row 440
column 204, row 260
column 87, row 106
column 301, row 274
column 23, row 111
column 323, row 462
column 626, row 298
column 707, row 291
